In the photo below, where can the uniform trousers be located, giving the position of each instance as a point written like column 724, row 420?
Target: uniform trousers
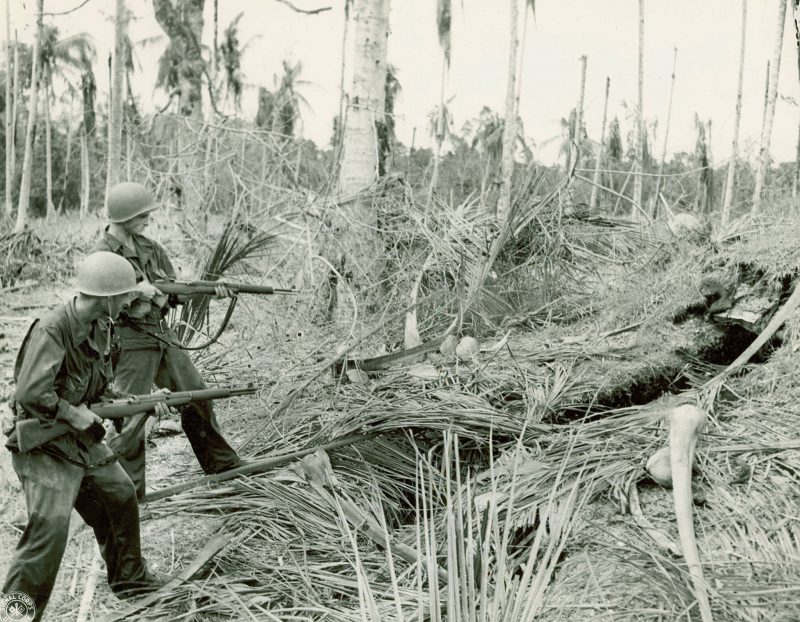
column 170, row 368
column 105, row 498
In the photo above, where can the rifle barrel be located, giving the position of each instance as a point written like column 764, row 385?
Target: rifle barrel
column 196, row 288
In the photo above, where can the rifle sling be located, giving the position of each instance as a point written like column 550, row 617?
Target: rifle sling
column 174, row 344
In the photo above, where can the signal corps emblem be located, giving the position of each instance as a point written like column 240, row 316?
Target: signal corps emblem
column 17, row 607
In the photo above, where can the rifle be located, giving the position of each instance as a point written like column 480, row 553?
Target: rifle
column 200, row 288
column 33, row 433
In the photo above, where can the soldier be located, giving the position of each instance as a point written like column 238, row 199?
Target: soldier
column 150, row 352
column 63, row 365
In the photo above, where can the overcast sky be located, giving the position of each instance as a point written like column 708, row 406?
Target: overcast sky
column 705, row 32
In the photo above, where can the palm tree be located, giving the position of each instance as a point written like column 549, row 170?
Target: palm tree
column 60, row 57
column 231, row 52
column 488, row 139
column 279, row 110
column 769, row 110
column 579, row 119
column 510, row 123
column 184, row 27
column 727, row 199
column 27, row 163
column 640, row 133
column 599, row 156
column 87, row 130
column 359, row 167
column 568, row 138
column 288, row 100
column 440, row 119
column 441, row 125
column 117, row 97
column 386, row 133
column 359, row 159
column 702, row 154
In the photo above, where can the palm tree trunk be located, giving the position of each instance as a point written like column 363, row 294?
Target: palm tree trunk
column 522, row 51
column 639, row 157
column 51, row 208
column 727, row 199
column 365, row 107
column 438, row 133
column 27, row 162
column 510, row 125
column 769, row 111
column 85, row 179
column 599, row 158
column 13, row 154
column 796, row 182
column 117, row 97
column 215, row 50
column 654, row 200
column 9, row 138
column 576, row 151
column 342, row 95
column 359, row 157
column 67, row 155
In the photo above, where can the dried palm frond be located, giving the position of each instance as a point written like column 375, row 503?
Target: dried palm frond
column 238, row 242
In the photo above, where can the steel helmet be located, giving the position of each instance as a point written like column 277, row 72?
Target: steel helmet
column 128, row 200
column 105, row 274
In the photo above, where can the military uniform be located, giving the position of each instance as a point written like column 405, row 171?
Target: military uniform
column 146, row 357
column 62, row 362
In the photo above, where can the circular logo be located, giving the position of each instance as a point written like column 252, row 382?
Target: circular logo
column 17, row 607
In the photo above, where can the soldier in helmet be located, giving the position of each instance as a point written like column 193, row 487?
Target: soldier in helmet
column 150, row 352
column 63, row 365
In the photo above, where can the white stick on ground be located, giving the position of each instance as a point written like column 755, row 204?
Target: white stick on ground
column 89, row 587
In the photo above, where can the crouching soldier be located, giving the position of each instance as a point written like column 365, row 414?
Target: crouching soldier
column 150, row 352
column 63, row 365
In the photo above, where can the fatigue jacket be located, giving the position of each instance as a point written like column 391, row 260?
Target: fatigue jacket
column 63, row 361
column 151, row 263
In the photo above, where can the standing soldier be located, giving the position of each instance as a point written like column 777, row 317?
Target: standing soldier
column 150, row 352
column 63, row 365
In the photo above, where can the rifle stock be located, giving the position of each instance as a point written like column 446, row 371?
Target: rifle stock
column 33, row 433
column 201, row 288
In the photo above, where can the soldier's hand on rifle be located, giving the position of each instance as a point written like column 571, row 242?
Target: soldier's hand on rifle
column 148, row 290
column 161, row 409
column 220, row 291
column 81, row 417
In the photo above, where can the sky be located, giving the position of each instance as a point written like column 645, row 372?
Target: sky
column 706, row 33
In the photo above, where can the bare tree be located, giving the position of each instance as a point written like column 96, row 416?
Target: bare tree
column 727, row 199
column 27, row 162
column 654, row 201
column 440, row 119
column 575, row 153
column 769, row 110
column 510, row 124
column 639, row 157
column 600, row 147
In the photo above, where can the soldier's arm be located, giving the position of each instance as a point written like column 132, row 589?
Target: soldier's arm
column 35, row 390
